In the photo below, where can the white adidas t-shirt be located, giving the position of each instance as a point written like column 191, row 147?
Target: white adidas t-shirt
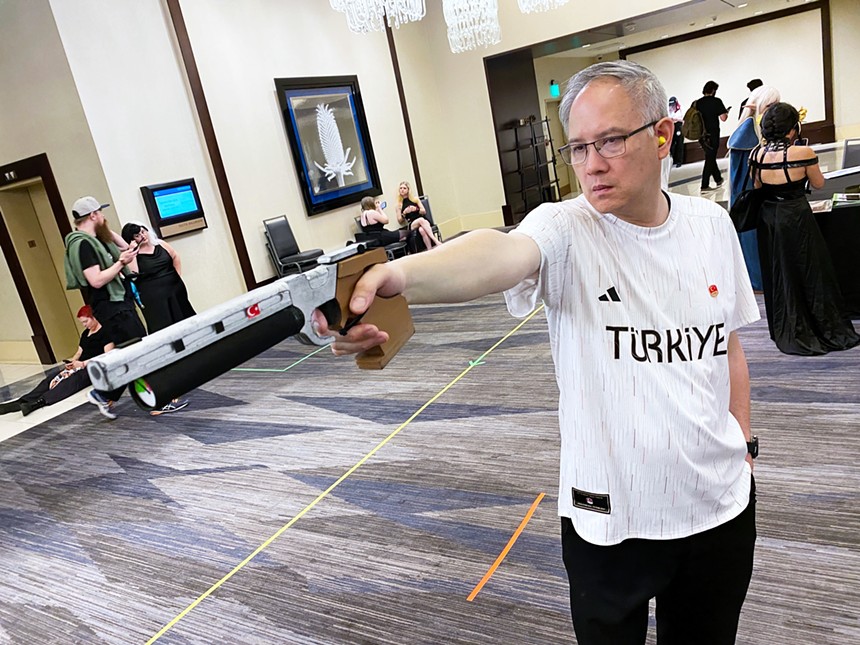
column 639, row 320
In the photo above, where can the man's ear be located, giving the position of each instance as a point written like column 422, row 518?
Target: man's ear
column 664, row 129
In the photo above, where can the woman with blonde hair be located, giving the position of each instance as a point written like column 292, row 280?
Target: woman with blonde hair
column 746, row 137
column 411, row 210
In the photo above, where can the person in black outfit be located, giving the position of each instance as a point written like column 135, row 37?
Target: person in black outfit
column 373, row 221
column 96, row 262
column 411, row 212
column 805, row 313
column 164, row 299
column 713, row 111
column 752, row 85
column 159, row 283
column 677, row 115
column 61, row 382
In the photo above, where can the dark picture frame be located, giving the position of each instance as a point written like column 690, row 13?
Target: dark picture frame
column 329, row 140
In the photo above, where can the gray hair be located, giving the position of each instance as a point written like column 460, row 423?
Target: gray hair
column 642, row 86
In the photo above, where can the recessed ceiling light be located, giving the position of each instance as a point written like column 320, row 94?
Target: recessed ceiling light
column 758, row 13
column 586, row 45
column 664, row 36
column 710, row 24
column 741, row 6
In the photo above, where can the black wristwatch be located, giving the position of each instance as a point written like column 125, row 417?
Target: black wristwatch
column 752, row 447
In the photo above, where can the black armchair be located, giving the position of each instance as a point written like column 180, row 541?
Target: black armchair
column 284, row 250
column 425, row 202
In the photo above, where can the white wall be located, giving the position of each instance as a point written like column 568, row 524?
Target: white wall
column 241, row 47
column 845, row 22
column 144, row 127
column 39, row 106
column 734, row 57
column 40, row 112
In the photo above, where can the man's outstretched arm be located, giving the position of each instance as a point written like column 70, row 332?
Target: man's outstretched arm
column 471, row 266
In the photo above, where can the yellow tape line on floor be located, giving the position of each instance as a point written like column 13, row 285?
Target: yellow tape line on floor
column 328, row 490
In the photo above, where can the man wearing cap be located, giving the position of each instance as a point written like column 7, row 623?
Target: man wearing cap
column 95, row 262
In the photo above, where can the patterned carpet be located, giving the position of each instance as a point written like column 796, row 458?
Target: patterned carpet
column 109, row 530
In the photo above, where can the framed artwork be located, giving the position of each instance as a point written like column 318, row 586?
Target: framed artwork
column 327, row 131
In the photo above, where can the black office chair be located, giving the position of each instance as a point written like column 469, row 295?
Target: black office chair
column 851, row 154
column 425, row 201
column 284, row 250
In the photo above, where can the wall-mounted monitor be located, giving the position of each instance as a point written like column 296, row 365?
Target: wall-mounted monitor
column 174, row 207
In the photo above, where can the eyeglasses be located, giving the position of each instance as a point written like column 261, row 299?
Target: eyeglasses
column 575, row 154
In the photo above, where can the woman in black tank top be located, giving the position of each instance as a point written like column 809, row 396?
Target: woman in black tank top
column 410, row 210
column 801, row 294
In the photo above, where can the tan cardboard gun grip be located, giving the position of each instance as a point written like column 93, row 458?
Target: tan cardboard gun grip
column 388, row 314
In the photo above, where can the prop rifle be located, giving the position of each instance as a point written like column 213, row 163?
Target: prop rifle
column 187, row 354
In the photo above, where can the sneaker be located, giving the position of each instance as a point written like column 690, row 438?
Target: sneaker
column 706, row 189
column 174, row 406
column 720, row 184
column 105, row 406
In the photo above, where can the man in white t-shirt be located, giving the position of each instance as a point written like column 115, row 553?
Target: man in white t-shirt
column 644, row 293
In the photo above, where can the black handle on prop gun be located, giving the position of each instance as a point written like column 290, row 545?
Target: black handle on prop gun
column 188, row 354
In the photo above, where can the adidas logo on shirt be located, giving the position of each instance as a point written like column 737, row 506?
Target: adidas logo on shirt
column 611, row 294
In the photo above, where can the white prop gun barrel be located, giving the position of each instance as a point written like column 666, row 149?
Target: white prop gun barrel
column 175, row 360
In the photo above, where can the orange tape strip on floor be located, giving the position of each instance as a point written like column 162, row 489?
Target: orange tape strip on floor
column 507, row 548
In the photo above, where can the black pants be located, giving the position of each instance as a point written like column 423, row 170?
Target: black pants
column 677, row 148
column 700, row 583
column 73, row 383
column 709, row 145
column 123, row 326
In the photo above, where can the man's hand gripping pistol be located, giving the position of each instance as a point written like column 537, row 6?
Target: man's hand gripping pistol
column 179, row 358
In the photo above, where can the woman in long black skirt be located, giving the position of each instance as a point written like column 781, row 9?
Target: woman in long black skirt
column 804, row 304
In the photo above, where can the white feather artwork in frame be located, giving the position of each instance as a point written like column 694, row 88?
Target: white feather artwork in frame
column 337, row 162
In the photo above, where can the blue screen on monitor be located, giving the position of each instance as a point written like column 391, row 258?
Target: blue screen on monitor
column 175, row 201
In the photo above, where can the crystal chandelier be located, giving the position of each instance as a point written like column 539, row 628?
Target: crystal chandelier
column 363, row 16
column 471, row 23
column 529, row 6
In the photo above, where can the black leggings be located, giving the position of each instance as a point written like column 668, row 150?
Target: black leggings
column 700, row 583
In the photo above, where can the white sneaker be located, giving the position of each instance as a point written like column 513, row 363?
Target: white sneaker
column 174, row 406
column 105, row 407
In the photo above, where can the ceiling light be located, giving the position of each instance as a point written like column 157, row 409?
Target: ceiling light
column 710, row 24
column 471, row 24
column 741, row 6
column 529, row 6
column 758, row 13
column 586, row 45
column 664, row 36
column 363, row 16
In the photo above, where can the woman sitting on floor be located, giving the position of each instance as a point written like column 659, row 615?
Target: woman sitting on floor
column 61, row 382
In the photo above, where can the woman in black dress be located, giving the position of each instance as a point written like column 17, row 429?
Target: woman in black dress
column 162, row 292
column 411, row 210
column 801, row 295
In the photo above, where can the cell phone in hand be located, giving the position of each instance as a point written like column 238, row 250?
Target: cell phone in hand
column 801, row 141
column 383, row 205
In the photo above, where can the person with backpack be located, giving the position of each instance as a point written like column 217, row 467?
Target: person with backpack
column 712, row 111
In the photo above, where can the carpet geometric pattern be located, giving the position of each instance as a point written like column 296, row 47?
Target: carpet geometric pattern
column 110, row 529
